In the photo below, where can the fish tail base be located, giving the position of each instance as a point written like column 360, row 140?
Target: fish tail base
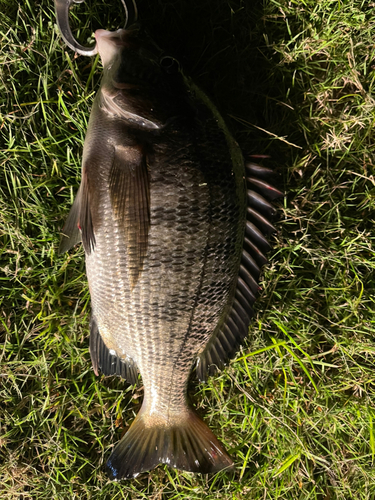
column 186, row 444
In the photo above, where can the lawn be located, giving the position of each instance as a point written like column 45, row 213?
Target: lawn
column 295, row 80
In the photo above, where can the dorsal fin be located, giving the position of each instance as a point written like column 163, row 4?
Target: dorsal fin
column 226, row 341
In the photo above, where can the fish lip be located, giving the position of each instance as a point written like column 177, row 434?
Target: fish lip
column 121, row 33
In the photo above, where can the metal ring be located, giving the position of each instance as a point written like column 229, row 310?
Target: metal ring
column 131, row 12
column 62, row 17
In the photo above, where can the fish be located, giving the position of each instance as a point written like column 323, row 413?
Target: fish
column 173, row 222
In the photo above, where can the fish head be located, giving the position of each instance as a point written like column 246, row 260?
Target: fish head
column 147, row 84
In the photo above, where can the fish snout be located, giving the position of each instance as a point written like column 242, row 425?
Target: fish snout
column 108, row 43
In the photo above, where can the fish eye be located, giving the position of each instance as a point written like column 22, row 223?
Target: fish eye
column 169, row 64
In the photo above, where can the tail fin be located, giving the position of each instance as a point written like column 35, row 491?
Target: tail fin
column 188, row 445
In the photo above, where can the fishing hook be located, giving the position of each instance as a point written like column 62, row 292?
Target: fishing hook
column 62, row 17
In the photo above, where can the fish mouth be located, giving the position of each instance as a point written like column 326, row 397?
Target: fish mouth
column 112, row 35
column 108, row 44
column 119, row 37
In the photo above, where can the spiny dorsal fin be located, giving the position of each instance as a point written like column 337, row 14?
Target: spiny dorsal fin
column 130, row 198
column 226, row 341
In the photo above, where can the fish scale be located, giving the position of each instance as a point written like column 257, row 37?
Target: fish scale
column 163, row 211
column 150, row 299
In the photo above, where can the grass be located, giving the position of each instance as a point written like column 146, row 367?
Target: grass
column 294, row 79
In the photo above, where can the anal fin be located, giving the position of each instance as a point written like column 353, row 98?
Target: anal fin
column 106, row 360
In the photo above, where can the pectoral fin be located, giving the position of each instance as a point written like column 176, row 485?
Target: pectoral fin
column 130, row 199
column 71, row 235
column 79, row 225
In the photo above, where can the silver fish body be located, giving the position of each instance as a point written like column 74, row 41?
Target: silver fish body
column 163, row 213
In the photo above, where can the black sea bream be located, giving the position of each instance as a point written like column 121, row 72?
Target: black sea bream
column 173, row 241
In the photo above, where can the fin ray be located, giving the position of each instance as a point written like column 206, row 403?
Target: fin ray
column 265, row 188
column 250, row 264
column 257, row 201
column 79, row 224
column 259, row 172
column 258, row 255
column 260, row 221
column 256, row 236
